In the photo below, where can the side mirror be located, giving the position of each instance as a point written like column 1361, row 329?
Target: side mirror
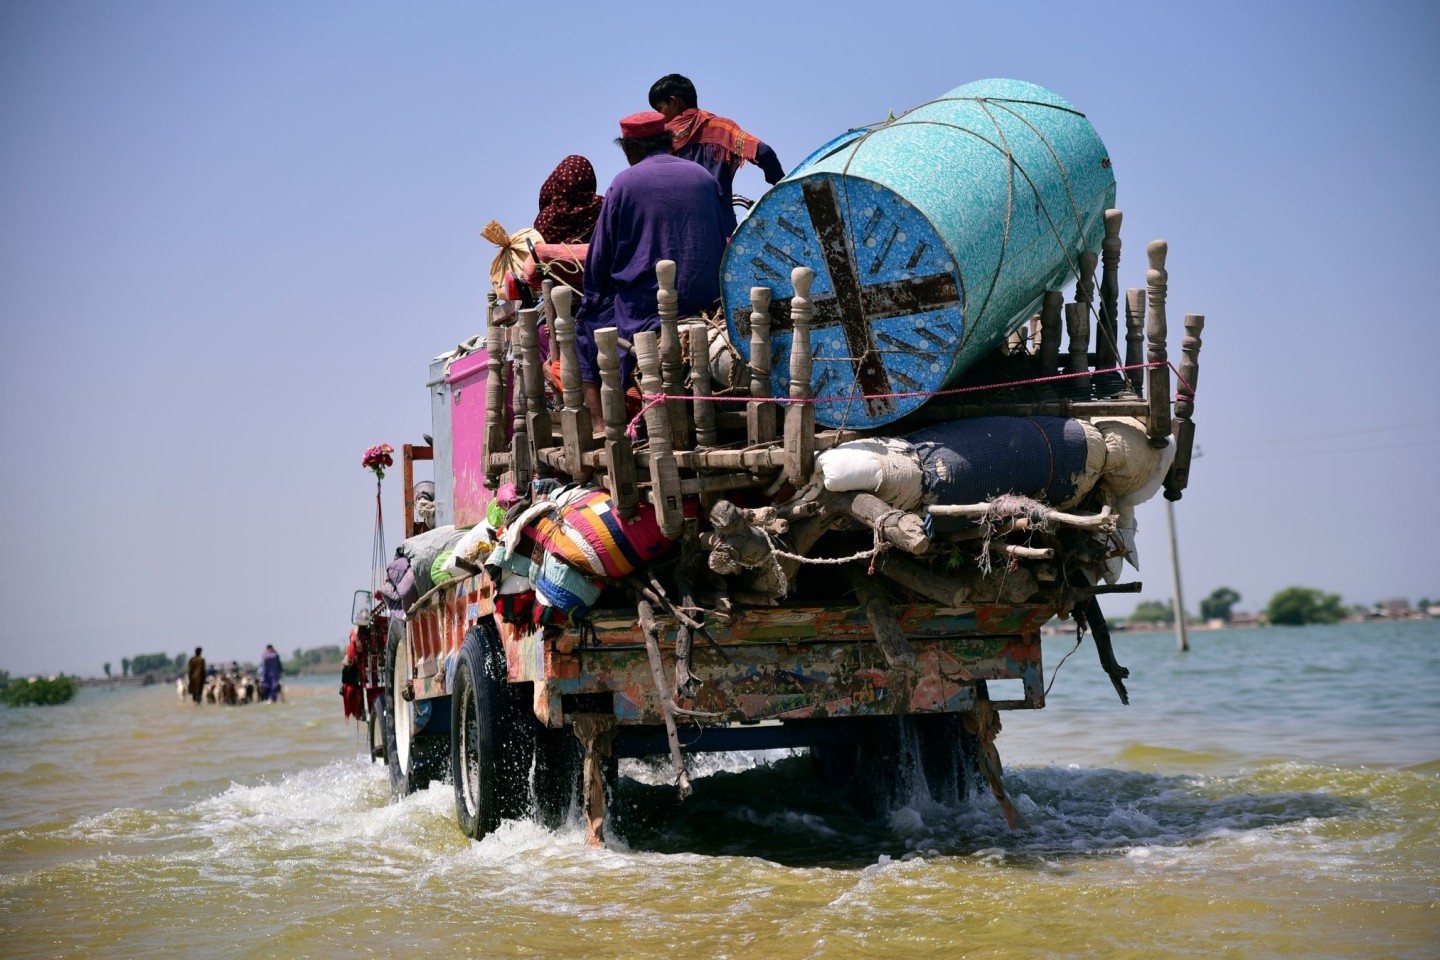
column 361, row 607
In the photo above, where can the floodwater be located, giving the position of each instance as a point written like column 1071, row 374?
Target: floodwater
column 1272, row 793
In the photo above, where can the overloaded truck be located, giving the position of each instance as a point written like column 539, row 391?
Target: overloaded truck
column 832, row 513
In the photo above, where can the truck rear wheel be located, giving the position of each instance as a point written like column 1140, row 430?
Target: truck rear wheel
column 558, row 766
column 947, row 755
column 493, row 741
column 414, row 759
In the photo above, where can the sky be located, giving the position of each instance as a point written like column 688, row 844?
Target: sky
column 233, row 234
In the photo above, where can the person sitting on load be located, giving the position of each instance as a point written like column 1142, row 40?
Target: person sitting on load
column 716, row 143
column 569, row 210
column 661, row 208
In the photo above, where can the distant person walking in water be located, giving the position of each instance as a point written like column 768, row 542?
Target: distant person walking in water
column 195, row 673
column 270, row 674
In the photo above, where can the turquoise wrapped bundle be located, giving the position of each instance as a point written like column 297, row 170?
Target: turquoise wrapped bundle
column 932, row 237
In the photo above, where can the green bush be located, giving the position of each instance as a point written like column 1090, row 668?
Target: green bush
column 40, row 693
column 1297, row 606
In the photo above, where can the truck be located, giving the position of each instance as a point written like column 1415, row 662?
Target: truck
column 832, row 515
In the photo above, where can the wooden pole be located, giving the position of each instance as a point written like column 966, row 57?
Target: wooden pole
column 547, row 292
column 1182, row 634
column 619, row 458
column 494, row 402
column 1079, row 324
column 671, row 362
column 520, row 463
column 699, row 335
column 665, row 493
column 576, row 431
column 1085, row 285
column 760, row 413
column 800, row 417
column 537, row 414
column 650, row 629
column 880, row 613
column 1156, row 281
column 1050, row 318
column 1107, row 327
column 1135, row 338
column 1179, row 476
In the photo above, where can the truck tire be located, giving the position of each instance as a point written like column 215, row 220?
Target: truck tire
column 373, row 732
column 493, row 741
column 947, row 755
column 415, row 759
column 875, row 785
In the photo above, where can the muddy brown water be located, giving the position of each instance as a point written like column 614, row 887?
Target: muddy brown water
column 1271, row 793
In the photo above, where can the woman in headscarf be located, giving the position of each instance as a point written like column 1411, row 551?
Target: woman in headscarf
column 569, row 206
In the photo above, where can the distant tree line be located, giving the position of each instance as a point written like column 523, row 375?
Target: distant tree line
column 1293, row 606
column 330, row 655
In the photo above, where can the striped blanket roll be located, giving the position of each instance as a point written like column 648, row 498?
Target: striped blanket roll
column 589, row 534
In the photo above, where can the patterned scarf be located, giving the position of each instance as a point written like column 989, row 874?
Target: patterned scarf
column 569, row 206
column 716, row 133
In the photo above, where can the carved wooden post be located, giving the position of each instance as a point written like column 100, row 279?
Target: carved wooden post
column 1049, row 351
column 521, row 464
column 664, row 472
column 537, row 415
column 672, row 364
column 1156, row 280
column 699, row 335
column 1107, row 326
column 547, row 291
column 620, row 460
column 575, row 427
column 1135, row 338
column 760, row 413
column 1085, row 286
column 1179, row 475
column 1079, row 324
column 800, row 417
column 494, row 402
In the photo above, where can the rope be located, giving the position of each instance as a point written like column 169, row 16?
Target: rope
column 1079, row 636
column 377, row 552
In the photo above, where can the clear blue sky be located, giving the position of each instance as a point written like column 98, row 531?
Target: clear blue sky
column 232, row 234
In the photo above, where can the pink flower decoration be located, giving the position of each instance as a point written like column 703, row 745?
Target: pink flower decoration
column 377, row 458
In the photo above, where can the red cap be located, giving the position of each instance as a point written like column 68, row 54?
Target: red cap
column 641, row 126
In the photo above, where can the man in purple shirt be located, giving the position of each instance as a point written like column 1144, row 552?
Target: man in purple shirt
column 661, row 208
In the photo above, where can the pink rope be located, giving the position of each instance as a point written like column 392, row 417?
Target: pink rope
column 652, row 399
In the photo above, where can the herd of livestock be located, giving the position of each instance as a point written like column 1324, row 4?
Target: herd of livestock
column 233, row 687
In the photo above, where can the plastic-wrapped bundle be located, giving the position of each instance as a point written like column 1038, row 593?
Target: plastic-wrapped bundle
column 1051, row 459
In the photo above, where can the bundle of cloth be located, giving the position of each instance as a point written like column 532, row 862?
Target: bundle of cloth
column 550, row 559
column 419, row 566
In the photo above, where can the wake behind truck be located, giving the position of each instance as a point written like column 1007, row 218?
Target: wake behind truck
column 832, row 514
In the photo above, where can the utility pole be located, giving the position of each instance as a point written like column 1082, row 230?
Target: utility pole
column 1182, row 636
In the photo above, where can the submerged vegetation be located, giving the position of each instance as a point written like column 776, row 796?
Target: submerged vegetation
column 39, row 691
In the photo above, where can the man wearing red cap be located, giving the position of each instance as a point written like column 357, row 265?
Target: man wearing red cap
column 661, row 208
